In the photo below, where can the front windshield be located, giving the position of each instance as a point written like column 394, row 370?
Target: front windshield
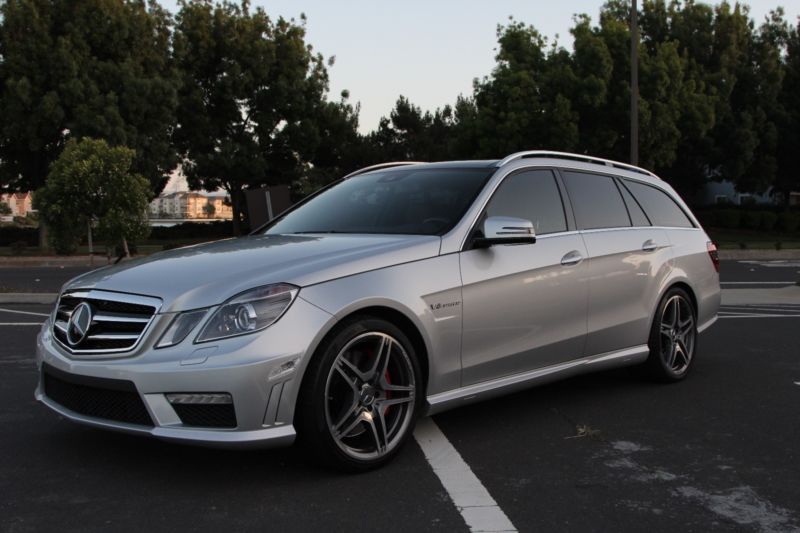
column 399, row 200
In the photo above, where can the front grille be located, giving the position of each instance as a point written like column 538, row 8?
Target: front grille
column 109, row 399
column 206, row 415
column 115, row 323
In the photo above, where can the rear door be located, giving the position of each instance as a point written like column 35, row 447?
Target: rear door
column 524, row 305
column 628, row 260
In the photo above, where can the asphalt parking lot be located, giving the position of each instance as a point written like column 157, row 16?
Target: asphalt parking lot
column 603, row 452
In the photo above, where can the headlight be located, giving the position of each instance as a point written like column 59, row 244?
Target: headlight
column 250, row 311
column 180, row 327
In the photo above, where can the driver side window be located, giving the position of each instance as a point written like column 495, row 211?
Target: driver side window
column 532, row 195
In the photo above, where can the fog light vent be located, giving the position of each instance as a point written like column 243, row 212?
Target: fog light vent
column 204, row 409
column 205, row 398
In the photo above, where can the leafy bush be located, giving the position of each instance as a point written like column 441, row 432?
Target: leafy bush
column 193, row 230
column 728, row 218
column 768, row 220
column 12, row 234
column 751, row 219
column 18, row 247
column 788, row 221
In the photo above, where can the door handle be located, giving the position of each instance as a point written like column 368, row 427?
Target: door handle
column 572, row 258
column 649, row 245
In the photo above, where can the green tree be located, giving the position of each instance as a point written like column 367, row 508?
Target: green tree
column 339, row 148
column 523, row 104
column 5, row 209
column 93, row 183
column 94, row 68
column 788, row 177
column 408, row 134
column 252, row 100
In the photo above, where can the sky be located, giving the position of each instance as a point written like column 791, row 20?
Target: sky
column 427, row 50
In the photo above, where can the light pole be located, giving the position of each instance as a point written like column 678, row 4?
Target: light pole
column 634, row 84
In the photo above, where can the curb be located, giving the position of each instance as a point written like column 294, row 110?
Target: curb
column 28, row 297
column 759, row 254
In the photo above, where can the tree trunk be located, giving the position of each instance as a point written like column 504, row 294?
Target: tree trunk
column 44, row 244
column 125, row 247
column 236, row 207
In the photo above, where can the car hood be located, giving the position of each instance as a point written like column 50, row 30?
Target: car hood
column 208, row 274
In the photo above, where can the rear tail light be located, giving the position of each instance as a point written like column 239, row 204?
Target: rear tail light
column 713, row 254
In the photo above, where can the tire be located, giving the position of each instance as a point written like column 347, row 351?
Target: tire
column 361, row 395
column 673, row 337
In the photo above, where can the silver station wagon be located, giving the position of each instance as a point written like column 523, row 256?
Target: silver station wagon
column 398, row 291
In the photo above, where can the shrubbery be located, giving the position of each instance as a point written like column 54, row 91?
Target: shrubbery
column 750, row 219
column 193, row 230
column 14, row 234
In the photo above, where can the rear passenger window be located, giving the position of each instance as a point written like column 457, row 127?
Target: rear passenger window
column 660, row 208
column 637, row 215
column 596, row 201
column 532, row 195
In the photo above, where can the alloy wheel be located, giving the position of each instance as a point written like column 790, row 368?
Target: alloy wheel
column 370, row 395
column 677, row 334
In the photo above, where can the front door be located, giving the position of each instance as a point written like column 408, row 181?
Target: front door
column 524, row 305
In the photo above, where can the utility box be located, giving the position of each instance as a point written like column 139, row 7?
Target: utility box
column 266, row 203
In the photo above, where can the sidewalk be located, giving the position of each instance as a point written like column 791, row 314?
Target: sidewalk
column 46, row 298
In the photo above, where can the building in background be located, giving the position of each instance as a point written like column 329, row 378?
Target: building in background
column 21, row 203
column 725, row 193
column 191, row 205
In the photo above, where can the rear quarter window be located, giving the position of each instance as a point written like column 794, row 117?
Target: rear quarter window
column 661, row 209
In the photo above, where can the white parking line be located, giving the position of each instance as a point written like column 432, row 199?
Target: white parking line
column 473, row 501
column 2, row 309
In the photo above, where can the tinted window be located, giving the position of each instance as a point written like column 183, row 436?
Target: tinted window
column 406, row 200
column 634, row 210
column 596, row 201
column 660, row 208
column 532, row 195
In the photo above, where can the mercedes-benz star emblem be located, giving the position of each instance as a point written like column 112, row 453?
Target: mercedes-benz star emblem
column 79, row 322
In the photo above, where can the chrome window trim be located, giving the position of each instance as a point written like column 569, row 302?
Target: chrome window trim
column 483, row 200
column 455, row 240
column 97, row 294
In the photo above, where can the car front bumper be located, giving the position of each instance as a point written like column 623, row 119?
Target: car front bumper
column 262, row 373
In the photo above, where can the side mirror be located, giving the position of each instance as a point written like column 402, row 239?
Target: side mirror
column 505, row 230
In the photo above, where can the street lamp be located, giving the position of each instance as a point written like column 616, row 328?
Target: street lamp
column 634, row 84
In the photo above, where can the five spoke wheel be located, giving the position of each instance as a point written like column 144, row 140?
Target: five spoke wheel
column 673, row 337
column 370, row 395
column 677, row 334
column 361, row 394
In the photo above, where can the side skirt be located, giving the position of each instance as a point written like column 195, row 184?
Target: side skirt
column 508, row 384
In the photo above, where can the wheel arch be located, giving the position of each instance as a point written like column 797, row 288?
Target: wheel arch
column 376, row 310
column 681, row 284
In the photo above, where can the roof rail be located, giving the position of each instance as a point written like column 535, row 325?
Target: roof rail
column 574, row 157
column 381, row 166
